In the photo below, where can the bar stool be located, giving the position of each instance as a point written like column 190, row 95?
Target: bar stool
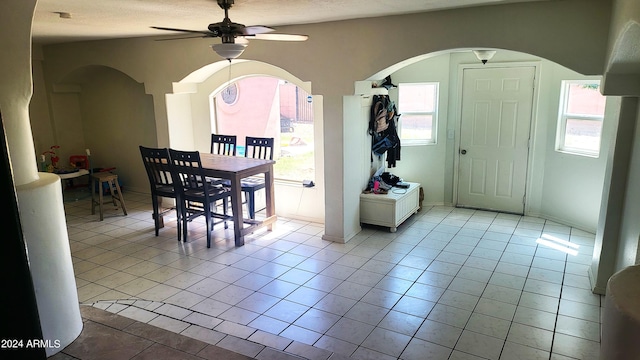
column 112, row 179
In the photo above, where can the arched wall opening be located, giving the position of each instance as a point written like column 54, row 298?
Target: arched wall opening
column 189, row 114
column 106, row 111
column 561, row 187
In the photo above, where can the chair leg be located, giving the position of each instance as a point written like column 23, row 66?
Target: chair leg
column 179, row 219
column 182, row 218
column 156, row 216
column 184, row 224
column 251, row 204
column 209, row 219
column 224, row 211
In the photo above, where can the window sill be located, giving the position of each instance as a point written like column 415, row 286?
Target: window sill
column 417, row 142
column 285, row 182
column 579, row 153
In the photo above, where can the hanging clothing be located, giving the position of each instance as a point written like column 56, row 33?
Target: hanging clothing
column 383, row 129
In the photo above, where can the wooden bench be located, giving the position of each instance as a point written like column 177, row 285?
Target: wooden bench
column 390, row 209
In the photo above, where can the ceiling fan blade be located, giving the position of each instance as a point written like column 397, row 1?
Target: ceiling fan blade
column 183, row 38
column 201, row 32
column 280, row 37
column 256, row 29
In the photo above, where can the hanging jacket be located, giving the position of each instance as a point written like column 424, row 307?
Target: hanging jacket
column 383, row 129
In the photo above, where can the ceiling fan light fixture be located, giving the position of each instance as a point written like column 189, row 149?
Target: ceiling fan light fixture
column 229, row 50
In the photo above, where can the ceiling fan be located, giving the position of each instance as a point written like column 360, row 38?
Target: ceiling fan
column 229, row 32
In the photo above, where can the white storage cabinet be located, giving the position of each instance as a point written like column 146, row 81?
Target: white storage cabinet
column 390, row 209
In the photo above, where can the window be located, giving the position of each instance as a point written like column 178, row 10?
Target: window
column 418, row 104
column 269, row 107
column 580, row 119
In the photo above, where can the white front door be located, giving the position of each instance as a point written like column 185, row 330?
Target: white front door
column 494, row 136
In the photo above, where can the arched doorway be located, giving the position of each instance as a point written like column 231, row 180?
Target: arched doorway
column 552, row 189
column 190, row 110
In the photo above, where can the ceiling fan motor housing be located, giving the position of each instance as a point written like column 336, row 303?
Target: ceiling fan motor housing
column 225, row 4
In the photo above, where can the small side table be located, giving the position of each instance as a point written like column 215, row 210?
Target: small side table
column 116, row 195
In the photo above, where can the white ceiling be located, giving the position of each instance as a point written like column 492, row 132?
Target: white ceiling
column 103, row 19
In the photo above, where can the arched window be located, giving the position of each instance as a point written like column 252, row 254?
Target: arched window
column 262, row 106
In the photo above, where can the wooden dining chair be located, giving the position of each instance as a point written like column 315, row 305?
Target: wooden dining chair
column 223, row 144
column 198, row 197
column 257, row 148
column 156, row 163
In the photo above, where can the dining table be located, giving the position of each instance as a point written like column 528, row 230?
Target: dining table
column 234, row 169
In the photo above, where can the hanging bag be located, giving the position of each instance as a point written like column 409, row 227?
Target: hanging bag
column 380, row 111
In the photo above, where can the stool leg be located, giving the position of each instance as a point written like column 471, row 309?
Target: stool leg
column 124, row 208
column 92, row 184
column 101, row 200
column 111, row 192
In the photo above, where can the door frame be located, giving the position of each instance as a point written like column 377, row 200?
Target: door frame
column 532, row 123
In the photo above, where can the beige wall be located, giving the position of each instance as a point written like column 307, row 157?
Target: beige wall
column 115, row 110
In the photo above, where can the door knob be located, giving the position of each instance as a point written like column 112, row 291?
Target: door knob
column 463, row 152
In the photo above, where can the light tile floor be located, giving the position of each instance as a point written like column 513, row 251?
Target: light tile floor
column 451, row 283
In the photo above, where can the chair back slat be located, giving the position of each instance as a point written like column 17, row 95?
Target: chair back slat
column 187, row 169
column 156, row 164
column 223, row 144
column 259, row 148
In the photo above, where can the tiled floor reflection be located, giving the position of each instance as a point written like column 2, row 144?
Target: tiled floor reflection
column 450, row 284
